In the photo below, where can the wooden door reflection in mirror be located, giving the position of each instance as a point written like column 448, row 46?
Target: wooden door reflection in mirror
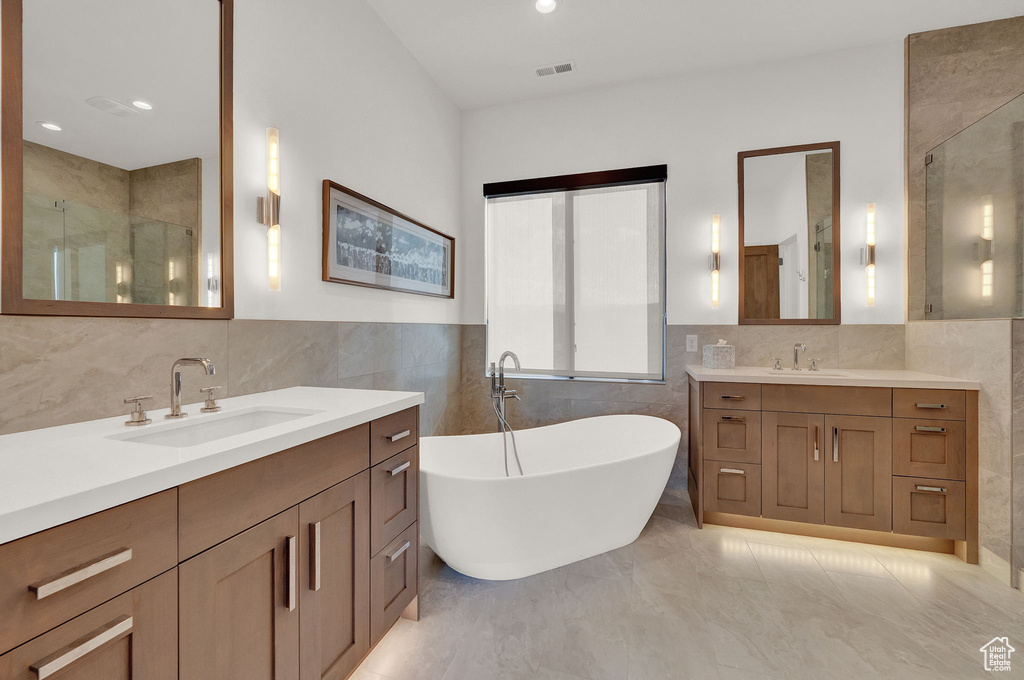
column 117, row 158
column 789, row 235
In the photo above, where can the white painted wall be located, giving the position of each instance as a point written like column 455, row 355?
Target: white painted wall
column 696, row 123
column 354, row 106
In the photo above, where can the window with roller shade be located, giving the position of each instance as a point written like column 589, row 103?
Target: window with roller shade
column 576, row 274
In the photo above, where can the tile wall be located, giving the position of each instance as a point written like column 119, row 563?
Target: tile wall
column 983, row 351
column 58, row 370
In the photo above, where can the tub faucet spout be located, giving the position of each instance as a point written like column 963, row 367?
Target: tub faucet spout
column 499, row 393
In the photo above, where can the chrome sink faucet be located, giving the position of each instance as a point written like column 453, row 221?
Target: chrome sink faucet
column 797, row 348
column 176, row 382
column 499, row 392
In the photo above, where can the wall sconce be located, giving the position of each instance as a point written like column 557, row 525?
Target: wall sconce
column 869, row 254
column 716, row 257
column 987, row 236
column 269, row 209
column 212, row 282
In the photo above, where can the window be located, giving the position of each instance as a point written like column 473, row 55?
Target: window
column 576, row 274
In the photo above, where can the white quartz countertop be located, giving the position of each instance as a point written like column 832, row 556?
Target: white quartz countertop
column 58, row 474
column 849, row 377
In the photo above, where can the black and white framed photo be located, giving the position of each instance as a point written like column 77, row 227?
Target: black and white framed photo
column 367, row 243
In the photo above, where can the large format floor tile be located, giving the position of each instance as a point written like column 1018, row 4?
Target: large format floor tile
column 717, row 603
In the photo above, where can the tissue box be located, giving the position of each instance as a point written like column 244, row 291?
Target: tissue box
column 719, row 356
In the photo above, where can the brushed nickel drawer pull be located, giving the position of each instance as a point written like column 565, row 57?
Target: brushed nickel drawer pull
column 930, row 405
column 314, row 556
column 835, row 444
column 937, row 489
column 927, row 428
column 80, row 573
column 730, row 471
column 815, row 443
column 401, row 468
column 291, row 595
column 399, row 435
column 738, row 419
column 63, row 658
column 735, row 397
column 394, row 556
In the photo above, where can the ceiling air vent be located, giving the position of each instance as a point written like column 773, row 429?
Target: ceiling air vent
column 554, row 69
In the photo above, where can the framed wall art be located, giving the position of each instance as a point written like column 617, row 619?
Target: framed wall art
column 368, row 244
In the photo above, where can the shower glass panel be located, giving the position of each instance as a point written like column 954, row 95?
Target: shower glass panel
column 974, row 261
column 74, row 251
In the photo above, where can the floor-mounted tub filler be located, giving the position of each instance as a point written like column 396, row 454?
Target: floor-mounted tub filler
column 588, row 486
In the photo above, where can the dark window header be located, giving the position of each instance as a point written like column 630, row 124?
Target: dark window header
column 585, row 180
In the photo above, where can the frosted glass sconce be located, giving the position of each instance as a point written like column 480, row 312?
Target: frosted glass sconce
column 987, row 235
column 716, row 257
column 869, row 254
column 269, row 209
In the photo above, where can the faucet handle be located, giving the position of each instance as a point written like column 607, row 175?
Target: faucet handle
column 778, row 364
column 511, row 394
column 211, row 403
column 138, row 415
column 814, row 364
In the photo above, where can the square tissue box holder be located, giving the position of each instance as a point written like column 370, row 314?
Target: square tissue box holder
column 720, row 355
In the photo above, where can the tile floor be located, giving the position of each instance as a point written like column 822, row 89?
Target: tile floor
column 723, row 603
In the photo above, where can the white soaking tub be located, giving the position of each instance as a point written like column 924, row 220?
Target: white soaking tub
column 589, row 486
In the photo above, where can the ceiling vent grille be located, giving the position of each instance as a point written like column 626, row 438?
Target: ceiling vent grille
column 555, row 69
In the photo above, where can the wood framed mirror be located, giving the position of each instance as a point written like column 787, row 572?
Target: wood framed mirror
column 116, row 158
column 789, row 235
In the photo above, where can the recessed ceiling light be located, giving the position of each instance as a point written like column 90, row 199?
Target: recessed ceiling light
column 50, row 126
column 145, row 106
column 546, row 6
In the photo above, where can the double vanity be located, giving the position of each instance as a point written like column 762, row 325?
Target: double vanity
column 885, row 457
column 277, row 537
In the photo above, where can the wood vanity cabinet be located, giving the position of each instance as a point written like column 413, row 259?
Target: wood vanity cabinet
column 793, row 462
column 858, row 472
column 889, row 465
column 264, row 570
column 334, row 580
column 238, row 605
column 132, row 636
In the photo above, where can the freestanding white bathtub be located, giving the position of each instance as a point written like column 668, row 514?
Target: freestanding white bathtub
column 589, row 486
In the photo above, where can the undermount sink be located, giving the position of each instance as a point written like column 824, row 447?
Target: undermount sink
column 804, row 373
column 211, row 428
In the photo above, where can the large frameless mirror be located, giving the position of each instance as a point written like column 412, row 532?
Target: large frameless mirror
column 122, row 175
column 789, row 235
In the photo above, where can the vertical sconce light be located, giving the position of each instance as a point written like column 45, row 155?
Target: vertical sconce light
column 716, row 258
column 270, row 209
column 869, row 254
column 212, row 283
column 987, row 235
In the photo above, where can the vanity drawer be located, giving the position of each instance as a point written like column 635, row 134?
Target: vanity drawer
column 732, row 487
column 131, row 636
column 55, row 575
column 929, row 448
column 737, row 396
column 394, row 497
column 929, row 507
column 932, row 404
column 832, row 400
column 393, row 434
column 732, row 435
column 393, row 581
column 215, row 508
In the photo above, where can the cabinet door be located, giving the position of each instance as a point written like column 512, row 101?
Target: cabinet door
column 239, row 618
column 858, row 472
column 734, row 436
column 334, row 579
column 793, row 467
column 132, row 637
